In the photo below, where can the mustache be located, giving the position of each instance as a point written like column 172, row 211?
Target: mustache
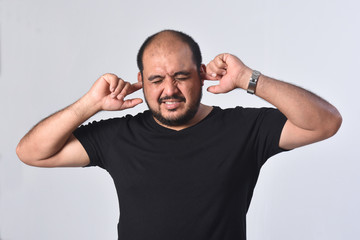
column 175, row 97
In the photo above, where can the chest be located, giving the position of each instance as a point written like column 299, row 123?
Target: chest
column 185, row 165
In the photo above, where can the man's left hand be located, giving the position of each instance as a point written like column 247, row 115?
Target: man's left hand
column 230, row 71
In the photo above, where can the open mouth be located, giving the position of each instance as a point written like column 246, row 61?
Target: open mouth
column 172, row 102
column 172, row 105
column 171, row 99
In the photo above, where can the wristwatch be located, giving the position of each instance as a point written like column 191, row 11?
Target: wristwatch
column 253, row 82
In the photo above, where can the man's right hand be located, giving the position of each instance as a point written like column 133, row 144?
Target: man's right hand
column 109, row 91
column 51, row 142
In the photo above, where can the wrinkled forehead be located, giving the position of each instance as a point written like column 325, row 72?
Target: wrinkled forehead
column 168, row 57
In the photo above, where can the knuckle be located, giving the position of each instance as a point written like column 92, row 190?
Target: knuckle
column 219, row 62
column 125, row 86
column 109, row 75
column 118, row 86
column 211, row 66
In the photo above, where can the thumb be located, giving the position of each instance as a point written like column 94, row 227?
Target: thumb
column 130, row 103
column 216, row 89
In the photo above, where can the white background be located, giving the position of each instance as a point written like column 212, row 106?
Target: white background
column 52, row 52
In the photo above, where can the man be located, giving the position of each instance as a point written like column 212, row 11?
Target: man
column 182, row 170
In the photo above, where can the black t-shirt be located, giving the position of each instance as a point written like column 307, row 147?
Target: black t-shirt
column 196, row 183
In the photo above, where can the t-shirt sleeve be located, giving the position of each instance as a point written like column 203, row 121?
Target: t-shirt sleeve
column 267, row 130
column 95, row 137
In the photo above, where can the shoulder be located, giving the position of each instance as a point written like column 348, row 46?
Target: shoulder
column 248, row 117
column 245, row 112
column 112, row 124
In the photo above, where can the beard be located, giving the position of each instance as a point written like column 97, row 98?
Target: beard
column 179, row 120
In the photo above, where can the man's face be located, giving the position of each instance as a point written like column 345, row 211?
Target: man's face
column 171, row 83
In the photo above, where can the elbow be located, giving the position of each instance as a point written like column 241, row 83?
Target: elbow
column 333, row 124
column 21, row 153
column 27, row 155
column 338, row 122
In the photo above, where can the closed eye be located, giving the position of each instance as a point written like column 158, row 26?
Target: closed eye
column 182, row 75
column 157, row 81
column 181, row 78
column 155, row 78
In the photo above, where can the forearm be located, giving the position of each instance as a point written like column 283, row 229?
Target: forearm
column 49, row 136
column 310, row 118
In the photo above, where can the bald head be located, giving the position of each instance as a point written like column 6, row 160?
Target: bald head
column 169, row 40
column 164, row 39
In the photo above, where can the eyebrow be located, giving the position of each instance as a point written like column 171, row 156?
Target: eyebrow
column 153, row 77
column 186, row 73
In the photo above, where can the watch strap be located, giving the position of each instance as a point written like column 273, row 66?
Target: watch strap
column 253, row 82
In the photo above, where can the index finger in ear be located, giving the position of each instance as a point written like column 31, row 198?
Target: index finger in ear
column 213, row 71
column 128, row 89
column 137, row 85
column 211, row 76
column 134, row 87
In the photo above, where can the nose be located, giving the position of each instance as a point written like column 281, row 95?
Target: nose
column 170, row 87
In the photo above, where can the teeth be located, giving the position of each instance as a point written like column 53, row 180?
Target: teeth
column 170, row 102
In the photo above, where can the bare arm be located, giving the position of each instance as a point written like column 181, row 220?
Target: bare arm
column 51, row 143
column 310, row 118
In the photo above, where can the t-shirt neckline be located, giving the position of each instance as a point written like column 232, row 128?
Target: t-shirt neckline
column 157, row 126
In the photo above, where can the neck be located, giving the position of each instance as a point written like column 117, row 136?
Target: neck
column 202, row 112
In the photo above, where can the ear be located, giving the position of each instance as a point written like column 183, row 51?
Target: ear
column 202, row 74
column 139, row 77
